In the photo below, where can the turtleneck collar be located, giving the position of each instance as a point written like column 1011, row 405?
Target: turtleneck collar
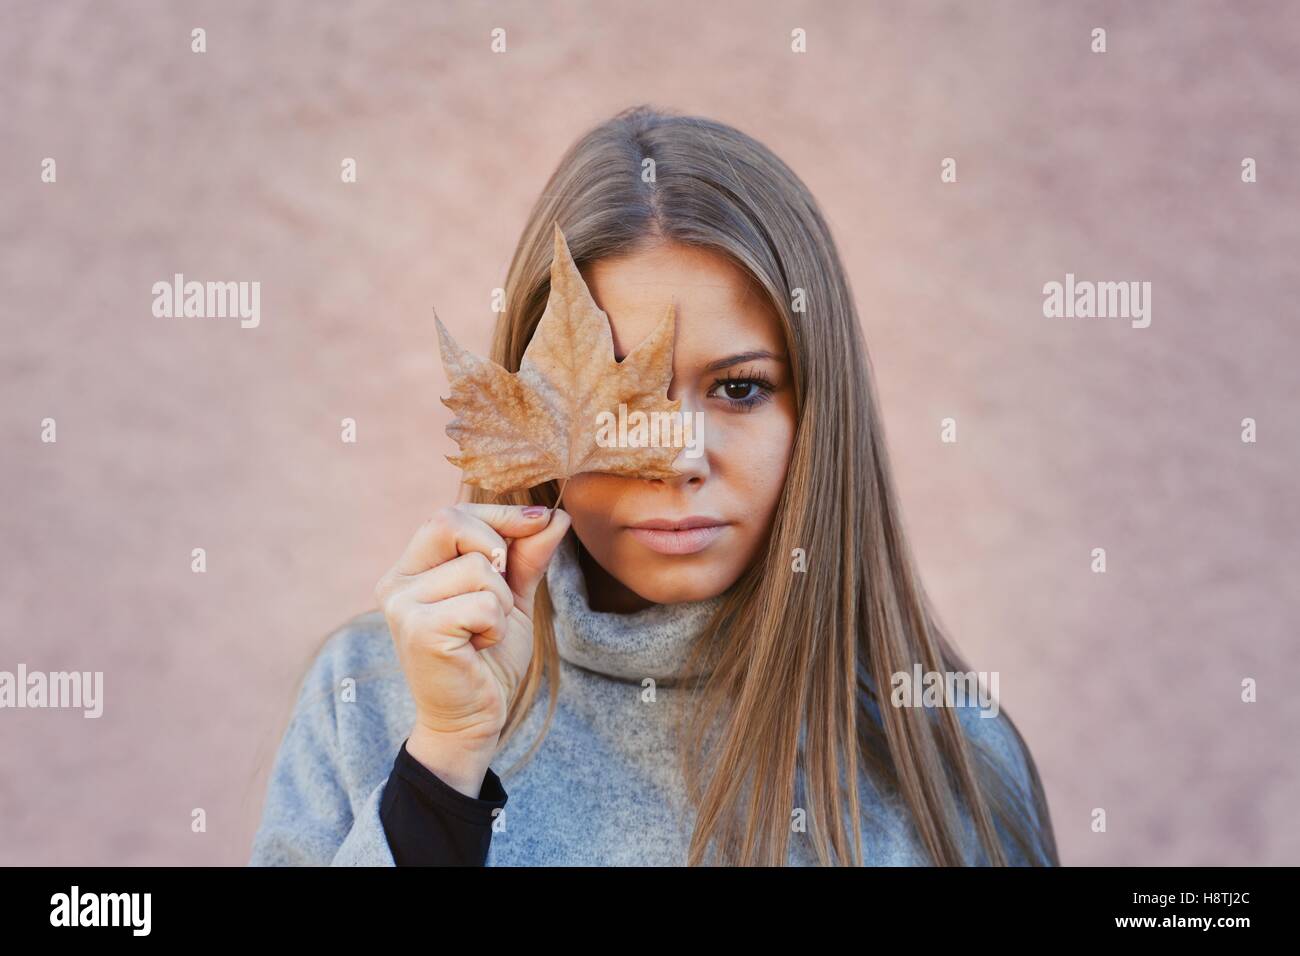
column 653, row 642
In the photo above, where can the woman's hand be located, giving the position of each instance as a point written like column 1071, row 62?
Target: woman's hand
column 464, row 629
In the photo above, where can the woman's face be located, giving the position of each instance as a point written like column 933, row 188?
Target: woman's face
column 747, row 401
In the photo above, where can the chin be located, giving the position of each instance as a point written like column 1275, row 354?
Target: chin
column 676, row 580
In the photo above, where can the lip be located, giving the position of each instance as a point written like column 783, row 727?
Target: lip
column 678, row 536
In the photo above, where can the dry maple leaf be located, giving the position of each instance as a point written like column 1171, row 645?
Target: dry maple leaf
column 519, row 430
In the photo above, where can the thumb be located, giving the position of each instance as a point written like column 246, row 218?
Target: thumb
column 528, row 558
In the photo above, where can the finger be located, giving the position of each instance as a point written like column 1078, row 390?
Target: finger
column 475, row 616
column 510, row 521
column 529, row 557
column 469, row 572
column 449, row 533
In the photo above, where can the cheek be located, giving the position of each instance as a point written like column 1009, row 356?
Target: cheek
column 590, row 499
column 753, row 453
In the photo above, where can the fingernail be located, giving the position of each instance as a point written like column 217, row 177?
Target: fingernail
column 534, row 511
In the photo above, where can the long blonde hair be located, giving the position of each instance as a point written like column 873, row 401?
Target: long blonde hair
column 790, row 688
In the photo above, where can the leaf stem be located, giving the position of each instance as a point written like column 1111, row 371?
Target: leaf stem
column 560, row 495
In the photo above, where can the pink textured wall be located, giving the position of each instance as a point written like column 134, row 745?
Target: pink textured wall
column 1072, row 434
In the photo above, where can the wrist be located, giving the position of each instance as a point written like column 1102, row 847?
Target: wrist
column 459, row 762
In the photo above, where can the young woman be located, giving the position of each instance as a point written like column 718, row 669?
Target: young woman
column 682, row 671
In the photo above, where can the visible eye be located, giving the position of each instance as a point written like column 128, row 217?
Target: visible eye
column 744, row 392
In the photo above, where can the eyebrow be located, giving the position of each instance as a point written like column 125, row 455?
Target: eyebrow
column 737, row 359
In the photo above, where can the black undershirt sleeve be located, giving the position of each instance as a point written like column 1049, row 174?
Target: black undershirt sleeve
column 430, row 823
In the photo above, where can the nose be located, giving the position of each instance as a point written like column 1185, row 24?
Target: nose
column 692, row 461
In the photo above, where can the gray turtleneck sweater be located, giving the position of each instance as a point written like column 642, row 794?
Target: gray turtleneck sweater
column 603, row 788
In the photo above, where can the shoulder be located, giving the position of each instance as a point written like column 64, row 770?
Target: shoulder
column 994, row 733
column 355, row 700
column 338, row 748
column 355, row 660
column 360, row 645
column 996, row 737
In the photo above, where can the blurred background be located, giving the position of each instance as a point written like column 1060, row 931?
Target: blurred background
column 1073, row 434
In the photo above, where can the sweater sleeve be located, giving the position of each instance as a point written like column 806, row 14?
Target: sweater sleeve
column 430, row 823
column 308, row 816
